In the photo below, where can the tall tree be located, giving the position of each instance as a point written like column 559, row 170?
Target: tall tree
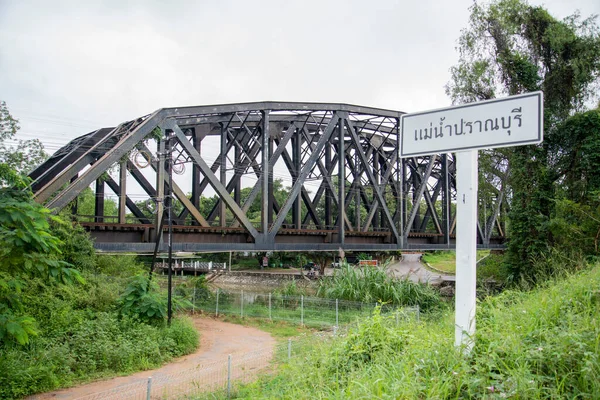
column 21, row 155
column 511, row 47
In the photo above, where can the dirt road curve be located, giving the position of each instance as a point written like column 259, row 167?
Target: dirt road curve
column 218, row 339
column 410, row 267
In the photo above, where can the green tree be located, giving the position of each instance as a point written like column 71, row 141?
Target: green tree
column 21, row 155
column 511, row 47
column 28, row 248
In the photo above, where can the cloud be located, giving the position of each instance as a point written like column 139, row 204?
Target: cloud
column 85, row 64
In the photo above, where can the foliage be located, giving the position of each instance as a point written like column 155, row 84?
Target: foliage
column 86, row 206
column 13, row 324
column 76, row 246
column 576, row 226
column 580, row 143
column 373, row 284
column 202, row 291
column 511, row 47
column 119, row 265
column 493, row 268
column 81, row 336
column 142, row 300
column 22, row 156
column 291, row 289
column 373, row 338
column 537, row 344
column 98, row 346
column 28, row 249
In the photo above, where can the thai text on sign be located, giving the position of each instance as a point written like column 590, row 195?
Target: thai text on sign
column 511, row 121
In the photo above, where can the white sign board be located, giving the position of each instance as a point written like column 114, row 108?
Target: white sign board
column 511, row 121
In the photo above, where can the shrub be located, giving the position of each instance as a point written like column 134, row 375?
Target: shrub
column 374, row 338
column 120, row 266
column 142, row 300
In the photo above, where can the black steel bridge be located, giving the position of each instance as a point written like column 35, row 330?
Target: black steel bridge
column 280, row 176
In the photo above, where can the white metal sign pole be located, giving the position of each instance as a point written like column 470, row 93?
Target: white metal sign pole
column 466, row 247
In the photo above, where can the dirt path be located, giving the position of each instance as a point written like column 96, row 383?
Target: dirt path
column 410, row 266
column 218, row 339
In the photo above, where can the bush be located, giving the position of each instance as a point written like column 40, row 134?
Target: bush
column 142, row 300
column 374, row 338
column 120, row 266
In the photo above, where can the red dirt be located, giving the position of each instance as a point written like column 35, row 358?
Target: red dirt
column 217, row 340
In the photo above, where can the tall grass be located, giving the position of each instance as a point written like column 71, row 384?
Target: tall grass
column 373, row 284
column 540, row 344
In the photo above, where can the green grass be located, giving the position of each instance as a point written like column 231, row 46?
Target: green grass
column 244, row 263
column 445, row 261
column 373, row 284
column 83, row 337
column 278, row 329
column 542, row 344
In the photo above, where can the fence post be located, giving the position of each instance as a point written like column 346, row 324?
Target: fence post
column 289, row 349
column 270, row 318
column 302, row 310
column 149, row 389
column 336, row 313
column 229, row 376
column 242, row 304
column 194, row 300
column 217, row 310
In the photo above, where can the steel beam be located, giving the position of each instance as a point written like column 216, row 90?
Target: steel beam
column 179, row 194
column 126, row 143
column 122, row 191
column 128, row 203
column 373, row 180
column 217, row 186
column 265, row 211
column 419, row 194
column 302, row 177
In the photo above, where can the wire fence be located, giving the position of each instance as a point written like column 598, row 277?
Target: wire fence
column 215, row 378
column 309, row 311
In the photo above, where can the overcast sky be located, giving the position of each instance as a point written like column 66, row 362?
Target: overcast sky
column 69, row 67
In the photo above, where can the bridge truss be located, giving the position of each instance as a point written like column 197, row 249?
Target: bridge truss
column 281, row 176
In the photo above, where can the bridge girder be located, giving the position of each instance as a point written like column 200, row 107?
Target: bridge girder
column 348, row 187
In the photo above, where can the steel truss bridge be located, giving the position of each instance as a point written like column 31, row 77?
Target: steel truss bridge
column 346, row 186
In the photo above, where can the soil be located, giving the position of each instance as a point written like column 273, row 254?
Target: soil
column 411, row 267
column 217, row 340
